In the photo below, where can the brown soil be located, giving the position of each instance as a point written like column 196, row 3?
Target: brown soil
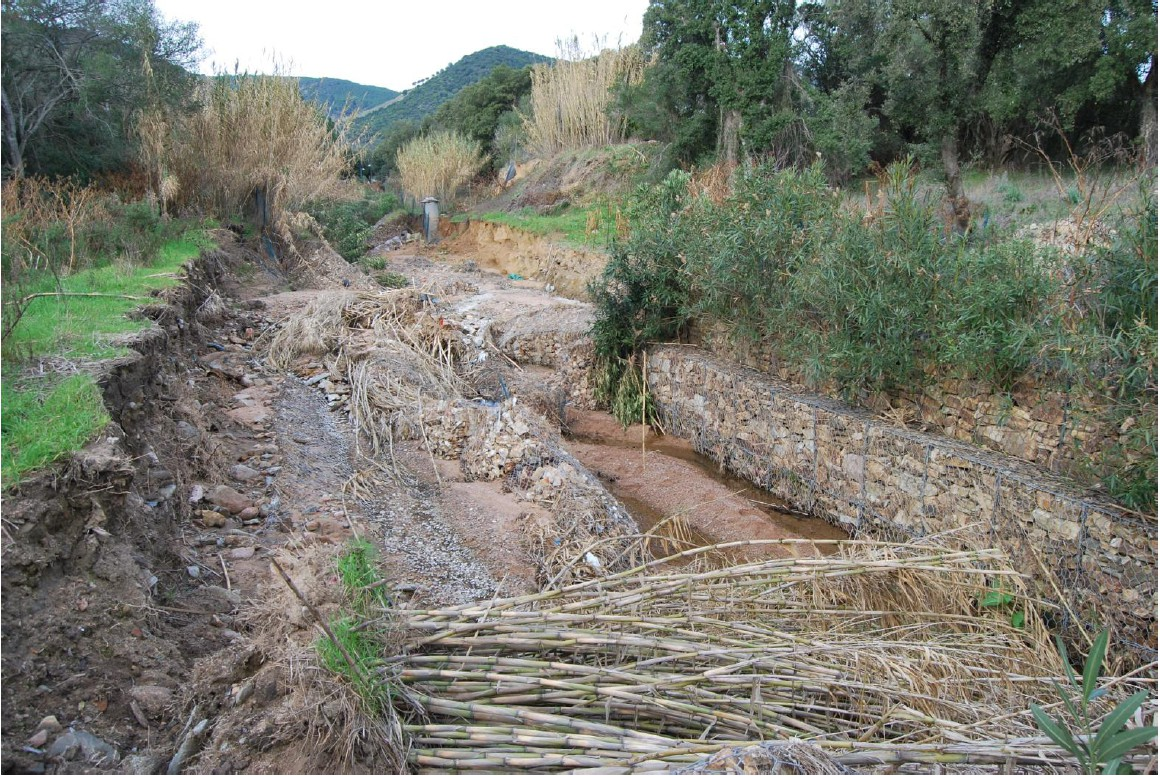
column 140, row 598
column 664, row 476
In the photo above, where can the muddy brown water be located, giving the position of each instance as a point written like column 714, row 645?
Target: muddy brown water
column 670, row 477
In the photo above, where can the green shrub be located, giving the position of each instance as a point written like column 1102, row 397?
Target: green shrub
column 348, row 224
column 1098, row 750
column 889, row 302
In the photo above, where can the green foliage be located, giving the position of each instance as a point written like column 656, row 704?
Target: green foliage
column 713, row 58
column 382, row 160
column 425, row 97
column 357, row 648
column 392, row 280
column 347, row 224
column 75, row 75
column 1117, row 356
column 892, row 301
column 360, row 576
column 77, row 326
column 365, row 651
column 1097, row 750
column 39, row 428
column 593, row 226
column 842, row 132
column 45, row 420
column 643, row 294
column 476, row 110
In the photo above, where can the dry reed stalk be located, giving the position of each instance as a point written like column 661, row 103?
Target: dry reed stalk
column 571, row 99
column 255, row 133
column 392, row 358
column 438, row 164
column 642, row 671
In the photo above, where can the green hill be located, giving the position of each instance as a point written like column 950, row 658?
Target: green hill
column 335, row 94
column 417, row 103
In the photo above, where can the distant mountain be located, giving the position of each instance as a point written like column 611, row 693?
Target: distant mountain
column 425, row 97
column 336, row 94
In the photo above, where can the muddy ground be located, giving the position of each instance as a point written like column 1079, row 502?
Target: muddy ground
column 146, row 626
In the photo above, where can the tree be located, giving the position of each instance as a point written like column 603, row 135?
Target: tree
column 938, row 68
column 75, row 73
column 721, row 75
column 476, row 110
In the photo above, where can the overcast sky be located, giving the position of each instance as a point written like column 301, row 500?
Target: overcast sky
column 391, row 43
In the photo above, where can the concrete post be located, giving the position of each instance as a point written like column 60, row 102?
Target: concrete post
column 431, row 220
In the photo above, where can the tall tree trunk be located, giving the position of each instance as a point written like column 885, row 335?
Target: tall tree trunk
column 11, row 139
column 1148, row 118
column 729, row 140
column 956, row 199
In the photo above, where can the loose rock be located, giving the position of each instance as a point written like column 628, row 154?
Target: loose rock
column 212, row 519
column 228, row 498
column 243, row 473
column 78, row 743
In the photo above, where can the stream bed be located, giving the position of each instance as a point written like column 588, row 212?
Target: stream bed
column 664, row 476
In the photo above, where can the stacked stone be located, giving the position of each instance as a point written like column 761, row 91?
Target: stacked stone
column 879, row 480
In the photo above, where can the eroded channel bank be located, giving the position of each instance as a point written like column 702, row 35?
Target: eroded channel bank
column 1097, row 561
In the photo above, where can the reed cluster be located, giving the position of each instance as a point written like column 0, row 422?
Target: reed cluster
column 571, row 99
column 437, row 164
column 250, row 134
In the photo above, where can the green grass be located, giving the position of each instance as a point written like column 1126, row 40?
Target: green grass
column 569, row 225
column 362, row 582
column 365, row 651
column 38, row 429
column 44, row 419
column 85, row 327
column 357, row 570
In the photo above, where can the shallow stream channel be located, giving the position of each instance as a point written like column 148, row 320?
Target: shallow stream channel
column 662, row 478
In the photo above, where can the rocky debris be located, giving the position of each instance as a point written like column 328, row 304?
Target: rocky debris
column 229, row 499
column 433, row 552
column 79, row 744
column 242, row 473
column 152, row 699
column 490, row 439
column 211, row 519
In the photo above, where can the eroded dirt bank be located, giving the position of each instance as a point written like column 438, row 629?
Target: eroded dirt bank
column 145, row 619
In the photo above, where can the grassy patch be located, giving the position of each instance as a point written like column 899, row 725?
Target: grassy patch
column 46, row 418
column 84, row 327
column 360, row 576
column 365, row 652
column 38, row 429
column 360, row 641
column 586, row 227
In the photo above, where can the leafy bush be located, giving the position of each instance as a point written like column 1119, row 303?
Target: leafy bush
column 890, row 301
column 842, row 132
column 1096, row 750
column 347, row 223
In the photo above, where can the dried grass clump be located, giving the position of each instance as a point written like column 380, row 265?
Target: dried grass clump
column 571, row 100
column 437, row 164
column 647, row 672
column 393, row 358
column 250, row 133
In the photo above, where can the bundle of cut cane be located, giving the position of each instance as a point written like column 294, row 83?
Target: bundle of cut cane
column 880, row 653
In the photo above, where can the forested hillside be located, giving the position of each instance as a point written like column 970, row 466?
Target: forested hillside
column 337, row 95
column 425, row 97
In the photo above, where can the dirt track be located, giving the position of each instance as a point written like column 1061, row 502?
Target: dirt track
column 131, row 614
